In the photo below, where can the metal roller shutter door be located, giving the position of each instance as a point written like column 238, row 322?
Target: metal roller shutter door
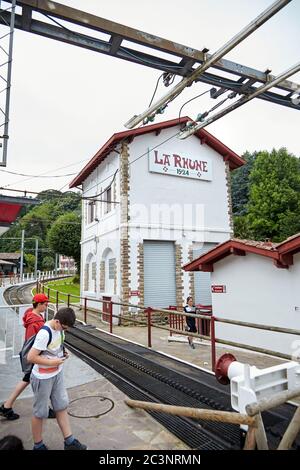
column 202, row 280
column 159, row 274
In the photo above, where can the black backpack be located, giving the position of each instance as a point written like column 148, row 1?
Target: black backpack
column 25, row 365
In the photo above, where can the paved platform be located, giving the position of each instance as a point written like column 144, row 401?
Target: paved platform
column 122, row 427
column 118, row 429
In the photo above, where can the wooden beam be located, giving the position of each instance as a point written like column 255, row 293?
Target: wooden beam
column 267, row 403
column 287, row 259
column 260, row 433
column 280, row 265
column 250, row 442
column 237, row 252
column 209, row 415
column 207, row 268
column 291, row 432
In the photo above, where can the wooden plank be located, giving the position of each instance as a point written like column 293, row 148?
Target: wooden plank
column 250, row 442
column 291, row 432
column 209, row 415
column 271, row 402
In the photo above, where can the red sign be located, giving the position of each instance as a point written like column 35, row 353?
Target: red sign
column 218, row 289
column 135, row 293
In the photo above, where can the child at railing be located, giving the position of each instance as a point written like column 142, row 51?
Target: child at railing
column 190, row 321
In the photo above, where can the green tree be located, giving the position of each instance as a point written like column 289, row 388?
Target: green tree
column 30, row 262
column 37, row 220
column 64, row 236
column 274, row 202
column 240, row 185
column 48, row 263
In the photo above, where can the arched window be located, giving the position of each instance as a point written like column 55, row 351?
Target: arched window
column 108, row 271
column 89, row 280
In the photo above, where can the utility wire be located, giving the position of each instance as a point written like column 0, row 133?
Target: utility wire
column 45, row 173
column 25, row 192
column 155, row 90
column 198, row 96
column 136, row 159
column 38, row 176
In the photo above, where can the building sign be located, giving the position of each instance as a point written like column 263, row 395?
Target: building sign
column 218, row 289
column 135, row 293
column 185, row 165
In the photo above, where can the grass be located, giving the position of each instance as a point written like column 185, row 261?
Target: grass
column 66, row 286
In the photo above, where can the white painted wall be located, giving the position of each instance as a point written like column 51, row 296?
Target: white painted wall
column 258, row 292
column 204, row 202
column 162, row 207
column 98, row 236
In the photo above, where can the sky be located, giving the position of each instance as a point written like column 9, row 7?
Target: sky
column 66, row 102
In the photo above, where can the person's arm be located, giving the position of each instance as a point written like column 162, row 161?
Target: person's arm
column 185, row 317
column 40, row 344
column 34, row 357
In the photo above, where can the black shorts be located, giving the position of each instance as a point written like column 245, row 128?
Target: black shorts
column 191, row 324
column 26, row 378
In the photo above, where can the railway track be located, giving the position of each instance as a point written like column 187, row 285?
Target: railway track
column 18, row 294
column 143, row 374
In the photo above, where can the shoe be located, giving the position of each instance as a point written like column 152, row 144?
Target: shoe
column 75, row 445
column 51, row 413
column 8, row 413
column 42, row 447
column 192, row 345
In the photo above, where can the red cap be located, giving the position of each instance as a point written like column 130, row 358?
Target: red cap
column 39, row 298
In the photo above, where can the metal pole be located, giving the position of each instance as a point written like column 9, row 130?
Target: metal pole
column 243, row 34
column 110, row 317
column 149, row 310
column 56, row 263
column 36, row 257
column 213, row 343
column 84, row 312
column 8, row 83
column 291, row 71
column 22, row 255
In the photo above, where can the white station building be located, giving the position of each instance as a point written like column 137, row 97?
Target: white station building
column 151, row 203
column 255, row 282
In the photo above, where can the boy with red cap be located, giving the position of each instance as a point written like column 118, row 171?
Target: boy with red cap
column 33, row 320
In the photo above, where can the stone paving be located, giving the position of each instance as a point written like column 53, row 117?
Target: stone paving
column 121, row 428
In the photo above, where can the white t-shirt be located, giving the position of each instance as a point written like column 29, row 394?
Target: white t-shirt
column 52, row 351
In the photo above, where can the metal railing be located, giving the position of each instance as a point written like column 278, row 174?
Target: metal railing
column 206, row 323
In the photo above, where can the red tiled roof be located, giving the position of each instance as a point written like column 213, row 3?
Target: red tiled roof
column 235, row 160
column 281, row 253
column 266, row 245
column 10, row 256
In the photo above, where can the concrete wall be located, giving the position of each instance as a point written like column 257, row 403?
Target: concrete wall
column 258, row 292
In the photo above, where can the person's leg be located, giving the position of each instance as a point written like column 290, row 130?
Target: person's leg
column 37, row 429
column 6, row 408
column 60, row 402
column 42, row 390
column 63, row 422
column 20, row 387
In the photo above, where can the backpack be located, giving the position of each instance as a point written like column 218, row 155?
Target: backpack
column 25, row 365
